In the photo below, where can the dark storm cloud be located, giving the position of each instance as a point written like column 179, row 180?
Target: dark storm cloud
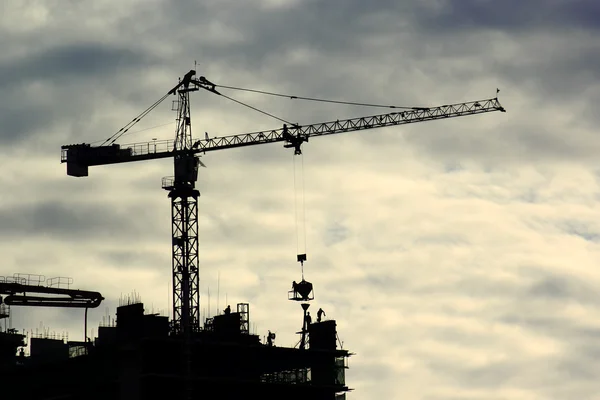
column 332, row 30
column 347, row 30
column 324, row 25
column 66, row 63
column 341, row 36
column 334, row 35
column 510, row 15
column 143, row 260
column 20, row 120
column 57, row 72
column 345, row 36
column 65, row 220
column 545, row 49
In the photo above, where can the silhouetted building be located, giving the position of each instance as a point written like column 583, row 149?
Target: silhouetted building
column 140, row 358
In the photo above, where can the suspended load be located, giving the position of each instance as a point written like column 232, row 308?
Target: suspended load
column 303, row 290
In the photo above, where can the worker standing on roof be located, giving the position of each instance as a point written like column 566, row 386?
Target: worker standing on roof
column 319, row 314
column 308, row 319
column 227, row 310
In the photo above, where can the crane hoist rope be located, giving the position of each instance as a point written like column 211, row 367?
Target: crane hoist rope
column 299, row 203
column 125, row 130
column 303, row 203
column 134, row 121
column 256, row 109
column 292, row 97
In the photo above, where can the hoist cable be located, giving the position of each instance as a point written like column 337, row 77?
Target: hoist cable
column 299, row 197
column 147, row 129
column 141, row 130
column 296, row 206
column 134, row 121
column 137, row 119
column 303, row 207
column 256, row 109
column 292, row 97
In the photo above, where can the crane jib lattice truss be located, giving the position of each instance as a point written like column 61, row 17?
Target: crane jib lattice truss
column 81, row 156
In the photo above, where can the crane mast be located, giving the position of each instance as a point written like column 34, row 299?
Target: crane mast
column 184, row 217
column 185, row 152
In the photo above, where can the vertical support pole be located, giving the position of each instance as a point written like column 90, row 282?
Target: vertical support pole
column 304, row 326
column 186, row 294
column 183, row 133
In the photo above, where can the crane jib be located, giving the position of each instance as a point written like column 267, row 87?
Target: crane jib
column 81, row 156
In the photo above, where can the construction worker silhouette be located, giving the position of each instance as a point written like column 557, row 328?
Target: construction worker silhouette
column 308, row 319
column 286, row 133
column 227, row 310
column 319, row 314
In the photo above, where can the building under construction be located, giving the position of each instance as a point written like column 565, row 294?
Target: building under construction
column 142, row 357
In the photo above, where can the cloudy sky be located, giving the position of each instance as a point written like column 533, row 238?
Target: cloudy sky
column 458, row 257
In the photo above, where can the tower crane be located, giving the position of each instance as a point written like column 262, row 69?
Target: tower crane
column 186, row 152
